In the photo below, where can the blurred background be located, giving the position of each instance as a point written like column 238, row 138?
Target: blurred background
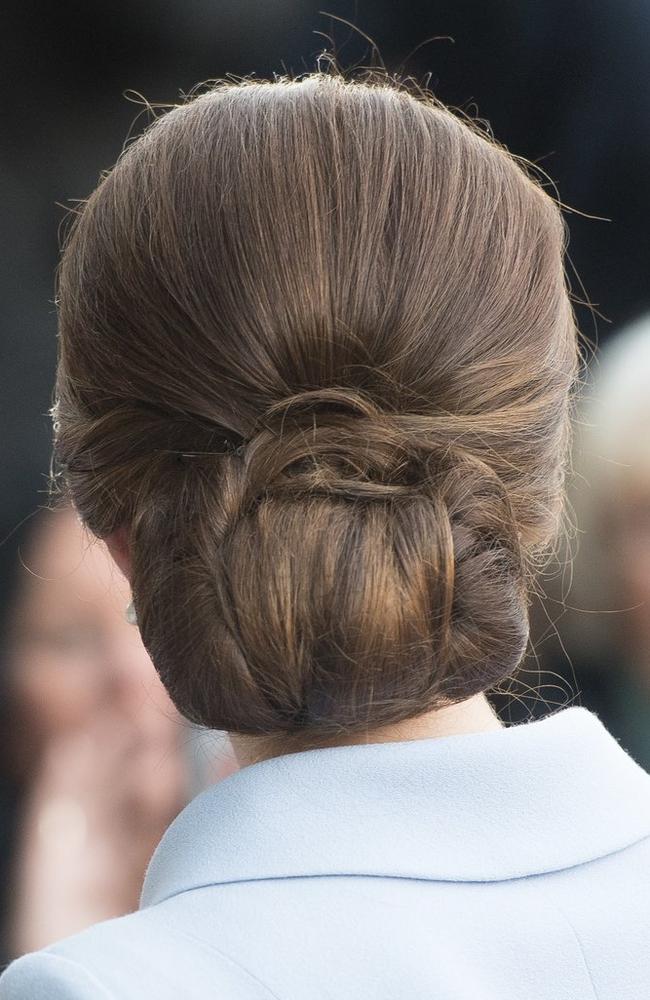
column 563, row 83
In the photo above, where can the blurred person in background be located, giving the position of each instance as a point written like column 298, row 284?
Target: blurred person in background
column 93, row 741
column 606, row 626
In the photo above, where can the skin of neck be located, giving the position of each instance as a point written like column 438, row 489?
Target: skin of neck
column 474, row 715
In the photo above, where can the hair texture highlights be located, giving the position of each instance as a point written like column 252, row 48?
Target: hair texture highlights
column 368, row 291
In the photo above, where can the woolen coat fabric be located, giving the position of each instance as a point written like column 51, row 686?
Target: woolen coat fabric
column 488, row 866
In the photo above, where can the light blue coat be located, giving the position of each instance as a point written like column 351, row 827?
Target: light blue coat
column 492, row 866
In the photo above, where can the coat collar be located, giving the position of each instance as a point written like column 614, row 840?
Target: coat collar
column 526, row 799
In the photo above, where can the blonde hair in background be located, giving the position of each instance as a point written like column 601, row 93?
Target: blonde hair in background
column 611, row 454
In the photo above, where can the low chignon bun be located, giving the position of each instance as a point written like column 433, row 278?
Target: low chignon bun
column 327, row 392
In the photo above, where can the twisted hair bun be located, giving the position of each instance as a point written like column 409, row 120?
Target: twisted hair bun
column 324, row 380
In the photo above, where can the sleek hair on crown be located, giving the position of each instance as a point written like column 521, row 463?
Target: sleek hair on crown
column 365, row 292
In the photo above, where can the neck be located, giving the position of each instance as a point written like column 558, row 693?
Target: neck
column 475, row 715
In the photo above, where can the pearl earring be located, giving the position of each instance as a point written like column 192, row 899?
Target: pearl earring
column 130, row 614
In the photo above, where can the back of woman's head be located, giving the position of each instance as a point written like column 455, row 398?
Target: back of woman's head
column 368, row 292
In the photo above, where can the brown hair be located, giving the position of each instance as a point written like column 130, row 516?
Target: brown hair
column 366, row 292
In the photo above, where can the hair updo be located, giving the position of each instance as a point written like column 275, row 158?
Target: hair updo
column 316, row 352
